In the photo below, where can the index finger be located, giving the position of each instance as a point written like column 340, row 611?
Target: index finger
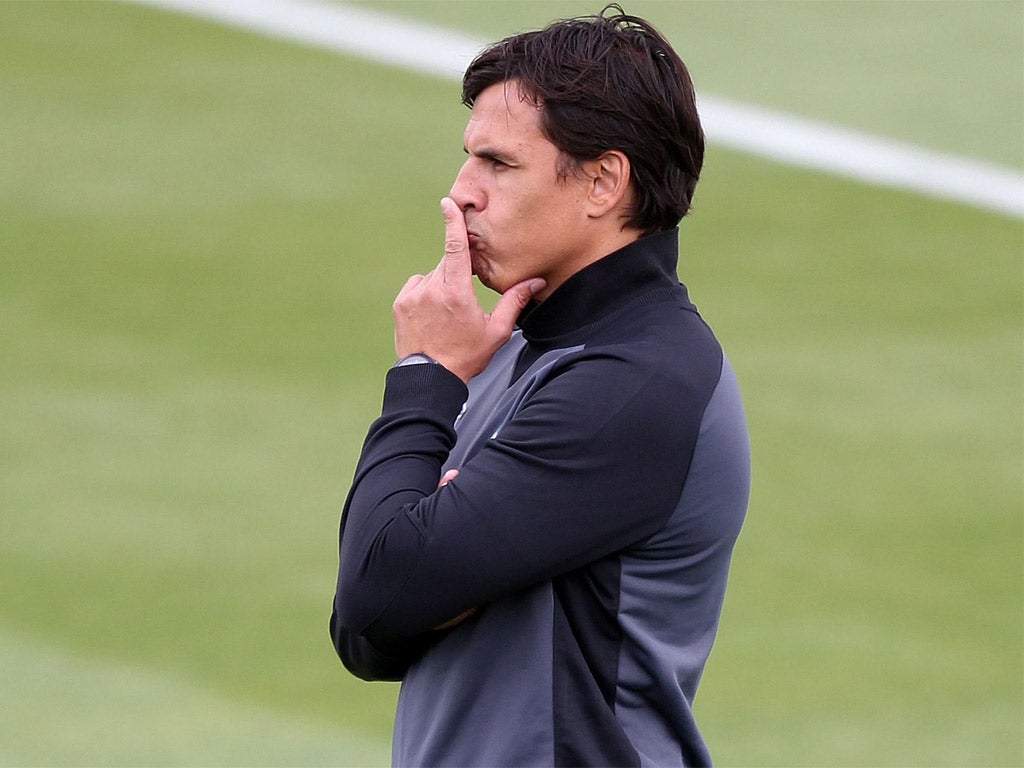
column 456, row 265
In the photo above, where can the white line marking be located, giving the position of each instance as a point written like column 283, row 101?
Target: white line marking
column 859, row 156
column 368, row 34
column 441, row 52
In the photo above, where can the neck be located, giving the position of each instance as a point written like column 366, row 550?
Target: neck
column 604, row 243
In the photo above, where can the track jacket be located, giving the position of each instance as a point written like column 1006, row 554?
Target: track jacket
column 604, row 476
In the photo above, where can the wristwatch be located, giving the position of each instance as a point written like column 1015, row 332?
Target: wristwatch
column 416, row 358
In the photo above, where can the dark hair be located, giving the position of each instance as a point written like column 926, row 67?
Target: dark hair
column 605, row 82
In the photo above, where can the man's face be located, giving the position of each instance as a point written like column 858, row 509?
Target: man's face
column 524, row 220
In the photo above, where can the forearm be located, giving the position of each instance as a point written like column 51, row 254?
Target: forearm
column 400, row 464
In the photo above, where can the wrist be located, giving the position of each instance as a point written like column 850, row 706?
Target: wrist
column 416, row 358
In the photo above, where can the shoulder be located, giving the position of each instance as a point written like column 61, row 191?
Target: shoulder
column 658, row 344
column 640, row 393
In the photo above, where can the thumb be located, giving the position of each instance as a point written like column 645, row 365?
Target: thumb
column 511, row 303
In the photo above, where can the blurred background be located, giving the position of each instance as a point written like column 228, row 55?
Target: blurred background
column 201, row 233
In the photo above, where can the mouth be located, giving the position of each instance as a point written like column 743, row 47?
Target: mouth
column 475, row 242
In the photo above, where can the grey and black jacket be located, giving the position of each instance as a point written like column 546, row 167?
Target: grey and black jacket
column 604, row 476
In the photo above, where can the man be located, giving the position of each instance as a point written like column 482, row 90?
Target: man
column 538, row 534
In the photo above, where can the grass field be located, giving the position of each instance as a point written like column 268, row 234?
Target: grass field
column 201, row 232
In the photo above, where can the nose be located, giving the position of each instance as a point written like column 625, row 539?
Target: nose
column 466, row 190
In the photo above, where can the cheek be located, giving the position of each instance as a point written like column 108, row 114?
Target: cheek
column 525, row 223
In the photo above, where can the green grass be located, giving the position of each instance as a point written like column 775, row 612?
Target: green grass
column 875, row 609
column 201, row 233
column 124, row 714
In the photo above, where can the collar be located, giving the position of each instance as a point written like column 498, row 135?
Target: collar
column 601, row 288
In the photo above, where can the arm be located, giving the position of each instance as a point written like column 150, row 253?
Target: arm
column 438, row 314
column 587, row 467
column 365, row 660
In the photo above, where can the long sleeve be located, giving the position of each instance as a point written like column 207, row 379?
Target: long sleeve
column 405, row 446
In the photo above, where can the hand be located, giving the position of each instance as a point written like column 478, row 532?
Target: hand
column 457, row 620
column 438, row 314
column 447, row 477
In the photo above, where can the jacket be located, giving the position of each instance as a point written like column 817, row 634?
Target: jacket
column 604, row 477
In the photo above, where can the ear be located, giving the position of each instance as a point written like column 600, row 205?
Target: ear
column 608, row 182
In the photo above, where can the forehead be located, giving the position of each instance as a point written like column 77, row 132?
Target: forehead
column 502, row 112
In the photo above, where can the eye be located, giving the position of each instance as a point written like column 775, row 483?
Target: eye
column 498, row 165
